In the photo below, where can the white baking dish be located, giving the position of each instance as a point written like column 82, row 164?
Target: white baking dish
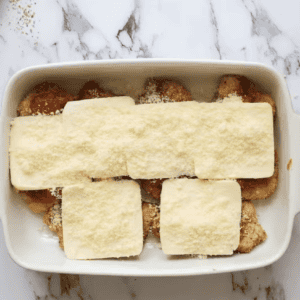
column 36, row 248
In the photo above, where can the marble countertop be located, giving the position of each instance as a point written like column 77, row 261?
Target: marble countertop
column 38, row 32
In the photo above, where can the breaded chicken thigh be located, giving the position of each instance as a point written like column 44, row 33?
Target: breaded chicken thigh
column 252, row 233
column 46, row 99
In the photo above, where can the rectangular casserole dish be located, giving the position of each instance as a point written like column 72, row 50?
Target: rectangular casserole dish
column 33, row 246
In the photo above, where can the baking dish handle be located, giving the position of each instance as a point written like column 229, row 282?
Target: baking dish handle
column 1, row 162
column 295, row 162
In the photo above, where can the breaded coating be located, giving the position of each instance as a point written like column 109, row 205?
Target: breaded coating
column 163, row 91
column 234, row 84
column 46, row 99
column 252, row 233
column 262, row 188
column 38, row 201
column 230, row 85
column 175, row 92
column 92, row 90
column 152, row 187
column 156, row 225
column 149, row 213
column 53, row 218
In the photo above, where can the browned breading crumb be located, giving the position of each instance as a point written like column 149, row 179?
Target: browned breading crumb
column 156, row 226
column 262, row 188
column 53, row 218
column 234, row 84
column 38, row 201
column 163, row 91
column 176, row 92
column 229, row 85
column 152, row 187
column 46, row 99
column 149, row 212
column 92, row 90
column 251, row 233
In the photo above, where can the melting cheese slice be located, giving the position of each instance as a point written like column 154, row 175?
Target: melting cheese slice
column 102, row 125
column 233, row 140
column 46, row 151
column 209, row 140
column 40, row 156
column 160, row 140
column 200, row 217
column 102, row 219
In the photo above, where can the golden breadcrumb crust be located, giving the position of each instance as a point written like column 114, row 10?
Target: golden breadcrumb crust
column 46, row 99
column 152, row 187
column 251, row 233
column 149, row 213
column 164, row 91
column 156, row 225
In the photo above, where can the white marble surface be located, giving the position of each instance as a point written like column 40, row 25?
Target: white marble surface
column 37, row 32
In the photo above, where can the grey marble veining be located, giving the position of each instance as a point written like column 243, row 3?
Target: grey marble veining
column 38, row 32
